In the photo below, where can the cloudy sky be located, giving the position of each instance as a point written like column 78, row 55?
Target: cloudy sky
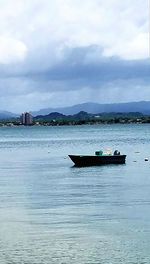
column 64, row 52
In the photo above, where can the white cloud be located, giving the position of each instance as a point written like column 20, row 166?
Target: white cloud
column 119, row 27
column 11, row 50
column 135, row 48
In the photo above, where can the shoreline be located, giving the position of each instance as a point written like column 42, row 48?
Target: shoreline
column 9, row 124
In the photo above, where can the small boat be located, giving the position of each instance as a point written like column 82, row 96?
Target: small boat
column 98, row 159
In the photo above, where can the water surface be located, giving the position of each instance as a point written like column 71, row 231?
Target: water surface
column 52, row 212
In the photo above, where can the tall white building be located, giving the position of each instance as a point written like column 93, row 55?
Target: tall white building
column 26, row 119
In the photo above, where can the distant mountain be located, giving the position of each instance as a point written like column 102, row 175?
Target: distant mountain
column 51, row 116
column 92, row 108
column 85, row 116
column 95, row 108
column 57, row 116
column 71, row 110
column 7, row 115
column 82, row 115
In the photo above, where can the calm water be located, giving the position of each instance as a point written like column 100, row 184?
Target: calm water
column 51, row 212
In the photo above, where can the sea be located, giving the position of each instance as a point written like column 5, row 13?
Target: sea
column 54, row 213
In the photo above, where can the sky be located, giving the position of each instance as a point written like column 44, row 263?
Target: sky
column 65, row 52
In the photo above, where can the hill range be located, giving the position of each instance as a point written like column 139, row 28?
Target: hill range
column 142, row 107
column 86, row 116
column 7, row 115
column 96, row 108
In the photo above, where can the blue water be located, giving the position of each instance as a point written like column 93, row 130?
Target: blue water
column 52, row 212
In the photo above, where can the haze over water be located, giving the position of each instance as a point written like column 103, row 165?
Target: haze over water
column 52, row 212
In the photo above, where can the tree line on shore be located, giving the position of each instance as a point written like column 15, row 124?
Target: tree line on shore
column 82, row 118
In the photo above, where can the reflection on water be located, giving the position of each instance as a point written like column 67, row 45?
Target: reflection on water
column 52, row 212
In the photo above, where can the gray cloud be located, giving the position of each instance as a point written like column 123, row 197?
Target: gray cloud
column 79, row 78
column 83, row 51
column 79, row 71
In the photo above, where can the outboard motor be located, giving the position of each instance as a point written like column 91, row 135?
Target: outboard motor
column 116, row 152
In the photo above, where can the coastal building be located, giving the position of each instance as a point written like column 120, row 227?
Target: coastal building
column 26, row 119
column 22, row 118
